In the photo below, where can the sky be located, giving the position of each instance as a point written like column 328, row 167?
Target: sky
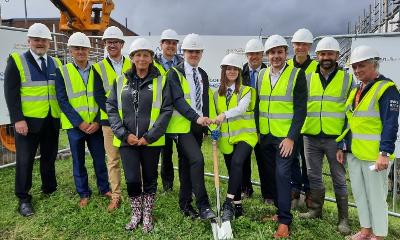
column 217, row 17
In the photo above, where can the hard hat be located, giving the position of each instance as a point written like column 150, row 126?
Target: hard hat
column 78, row 39
column 254, row 45
column 303, row 35
column 328, row 44
column 362, row 53
column 232, row 59
column 275, row 41
column 192, row 42
column 169, row 34
column 140, row 44
column 113, row 33
column 39, row 30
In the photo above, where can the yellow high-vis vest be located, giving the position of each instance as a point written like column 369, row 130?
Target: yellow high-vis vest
column 276, row 104
column 108, row 76
column 239, row 128
column 158, row 85
column 37, row 97
column 80, row 96
column 326, row 107
column 365, row 123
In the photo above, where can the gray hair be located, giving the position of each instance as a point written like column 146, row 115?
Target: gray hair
column 375, row 61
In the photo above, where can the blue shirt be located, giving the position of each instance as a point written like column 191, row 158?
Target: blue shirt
column 84, row 72
column 166, row 63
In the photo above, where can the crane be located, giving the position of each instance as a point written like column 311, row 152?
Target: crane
column 76, row 15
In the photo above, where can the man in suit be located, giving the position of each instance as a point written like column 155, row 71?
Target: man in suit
column 34, row 112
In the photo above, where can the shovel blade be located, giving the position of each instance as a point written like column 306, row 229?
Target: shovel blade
column 222, row 232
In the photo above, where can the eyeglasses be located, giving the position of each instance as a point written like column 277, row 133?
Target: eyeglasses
column 108, row 42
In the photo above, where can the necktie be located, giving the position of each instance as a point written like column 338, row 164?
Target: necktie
column 43, row 66
column 169, row 64
column 198, row 90
column 253, row 78
column 228, row 95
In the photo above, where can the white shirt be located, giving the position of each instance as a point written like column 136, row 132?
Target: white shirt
column 37, row 58
column 117, row 65
column 241, row 107
column 192, row 87
column 274, row 77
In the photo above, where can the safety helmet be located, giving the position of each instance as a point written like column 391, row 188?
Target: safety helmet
column 140, row 44
column 39, row 30
column 113, row 32
column 328, row 44
column 254, row 45
column 362, row 53
column 78, row 39
column 275, row 41
column 192, row 42
column 232, row 59
column 169, row 34
column 303, row 35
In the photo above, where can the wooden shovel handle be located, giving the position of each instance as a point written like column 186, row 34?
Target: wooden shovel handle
column 215, row 161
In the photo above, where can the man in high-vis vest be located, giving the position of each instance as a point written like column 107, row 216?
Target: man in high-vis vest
column 193, row 111
column 328, row 88
column 80, row 116
column 164, row 61
column 368, row 140
column 106, row 71
column 280, row 113
column 34, row 112
column 302, row 41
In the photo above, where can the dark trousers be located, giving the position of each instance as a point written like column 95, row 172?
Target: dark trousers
column 270, row 152
column 95, row 144
column 299, row 175
column 234, row 163
column 47, row 138
column 167, row 167
column 266, row 171
column 247, row 186
column 191, row 168
column 140, row 167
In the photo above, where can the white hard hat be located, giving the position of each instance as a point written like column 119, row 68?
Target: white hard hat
column 362, row 53
column 113, row 32
column 192, row 42
column 232, row 59
column 39, row 30
column 328, row 44
column 303, row 35
column 169, row 34
column 254, row 45
column 78, row 39
column 140, row 44
column 275, row 41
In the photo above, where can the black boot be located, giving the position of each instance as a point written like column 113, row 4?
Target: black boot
column 238, row 210
column 343, row 214
column 317, row 202
column 228, row 211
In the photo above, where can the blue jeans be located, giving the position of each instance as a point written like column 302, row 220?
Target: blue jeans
column 95, row 143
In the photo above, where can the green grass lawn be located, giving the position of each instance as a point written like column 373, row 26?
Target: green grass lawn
column 59, row 217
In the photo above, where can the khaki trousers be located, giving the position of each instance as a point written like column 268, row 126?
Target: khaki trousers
column 113, row 165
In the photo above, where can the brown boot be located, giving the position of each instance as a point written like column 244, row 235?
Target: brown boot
column 136, row 205
column 114, row 204
column 308, row 199
column 343, row 214
column 148, row 206
column 282, row 231
column 295, row 200
column 317, row 202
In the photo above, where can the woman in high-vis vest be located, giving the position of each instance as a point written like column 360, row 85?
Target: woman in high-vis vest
column 369, row 141
column 139, row 108
column 234, row 106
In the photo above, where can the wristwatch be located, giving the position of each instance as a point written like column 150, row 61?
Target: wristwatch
column 384, row 154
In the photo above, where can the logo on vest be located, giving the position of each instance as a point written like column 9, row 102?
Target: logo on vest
column 150, row 87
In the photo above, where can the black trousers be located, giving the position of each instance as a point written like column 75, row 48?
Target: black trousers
column 167, row 166
column 247, row 186
column 300, row 180
column 191, row 168
column 266, row 171
column 234, row 163
column 47, row 138
column 140, row 167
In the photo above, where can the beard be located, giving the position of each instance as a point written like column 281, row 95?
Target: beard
column 328, row 64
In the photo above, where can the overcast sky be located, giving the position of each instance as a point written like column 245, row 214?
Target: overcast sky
column 217, row 17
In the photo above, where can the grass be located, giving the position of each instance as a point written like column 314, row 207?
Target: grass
column 59, row 217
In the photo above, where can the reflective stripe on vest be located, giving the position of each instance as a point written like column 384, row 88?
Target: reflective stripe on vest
column 158, row 85
column 365, row 123
column 326, row 107
column 80, row 96
column 37, row 97
column 239, row 128
column 276, row 104
column 160, row 68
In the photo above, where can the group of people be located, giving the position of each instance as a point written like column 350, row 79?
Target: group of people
column 292, row 113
